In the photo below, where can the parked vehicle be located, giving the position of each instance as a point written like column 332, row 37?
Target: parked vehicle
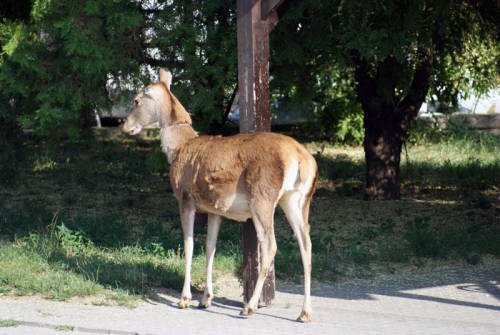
column 112, row 118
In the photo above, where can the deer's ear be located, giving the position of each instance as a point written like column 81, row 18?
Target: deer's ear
column 165, row 76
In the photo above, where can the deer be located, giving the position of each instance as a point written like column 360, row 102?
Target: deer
column 239, row 177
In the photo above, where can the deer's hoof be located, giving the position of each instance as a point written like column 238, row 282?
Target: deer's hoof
column 184, row 303
column 247, row 311
column 206, row 301
column 204, row 305
column 304, row 317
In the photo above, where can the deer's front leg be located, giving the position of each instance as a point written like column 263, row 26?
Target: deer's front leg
column 187, row 220
column 214, row 222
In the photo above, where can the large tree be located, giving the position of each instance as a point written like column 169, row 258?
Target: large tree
column 67, row 58
column 57, row 63
column 396, row 53
column 61, row 60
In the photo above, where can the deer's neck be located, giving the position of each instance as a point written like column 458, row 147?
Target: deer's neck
column 174, row 137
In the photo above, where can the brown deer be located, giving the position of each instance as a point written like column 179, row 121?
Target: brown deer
column 238, row 177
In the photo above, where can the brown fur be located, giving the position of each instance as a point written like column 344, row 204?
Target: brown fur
column 239, row 177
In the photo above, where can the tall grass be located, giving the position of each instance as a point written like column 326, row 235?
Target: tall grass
column 60, row 258
column 452, row 157
column 25, row 272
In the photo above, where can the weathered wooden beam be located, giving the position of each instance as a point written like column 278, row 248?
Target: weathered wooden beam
column 251, row 268
column 268, row 12
column 253, row 68
column 255, row 115
column 268, row 7
column 273, row 10
column 255, row 19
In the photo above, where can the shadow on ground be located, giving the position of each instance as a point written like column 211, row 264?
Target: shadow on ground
column 483, row 280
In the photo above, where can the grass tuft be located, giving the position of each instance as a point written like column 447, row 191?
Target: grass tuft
column 9, row 323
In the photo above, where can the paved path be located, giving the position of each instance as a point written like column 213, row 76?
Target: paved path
column 453, row 301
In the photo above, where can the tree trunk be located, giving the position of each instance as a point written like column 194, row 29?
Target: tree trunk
column 387, row 119
column 11, row 143
column 383, row 157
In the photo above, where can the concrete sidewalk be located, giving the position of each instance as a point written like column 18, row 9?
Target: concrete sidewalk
column 452, row 301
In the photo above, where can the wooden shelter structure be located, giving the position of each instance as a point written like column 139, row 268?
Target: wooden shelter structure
column 255, row 20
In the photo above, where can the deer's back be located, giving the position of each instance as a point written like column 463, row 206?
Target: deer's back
column 224, row 173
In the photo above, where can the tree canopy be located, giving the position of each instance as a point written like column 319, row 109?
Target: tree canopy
column 367, row 63
column 58, row 57
column 395, row 53
column 69, row 58
column 335, row 36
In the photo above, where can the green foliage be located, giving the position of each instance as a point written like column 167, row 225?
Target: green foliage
column 67, row 59
column 392, row 54
column 456, row 156
column 72, row 58
column 55, row 68
column 462, row 38
column 339, row 117
column 350, row 129
column 423, row 241
column 199, row 46
column 9, row 323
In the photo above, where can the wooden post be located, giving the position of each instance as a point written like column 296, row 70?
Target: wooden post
column 253, row 68
column 256, row 18
column 255, row 115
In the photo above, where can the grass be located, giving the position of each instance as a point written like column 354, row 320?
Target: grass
column 9, row 323
column 97, row 218
column 59, row 263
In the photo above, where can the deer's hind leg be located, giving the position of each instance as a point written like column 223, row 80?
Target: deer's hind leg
column 262, row 216
column 296, row 208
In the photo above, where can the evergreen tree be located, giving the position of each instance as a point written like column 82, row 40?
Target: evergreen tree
column 70, row 58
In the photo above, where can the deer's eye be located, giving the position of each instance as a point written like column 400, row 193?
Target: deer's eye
column 136, row 102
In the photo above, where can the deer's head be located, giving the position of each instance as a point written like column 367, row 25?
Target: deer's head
column 156, row 103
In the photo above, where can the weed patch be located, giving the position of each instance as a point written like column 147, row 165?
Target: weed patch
column 423, row 242
column 88, row 259
column 9, row 323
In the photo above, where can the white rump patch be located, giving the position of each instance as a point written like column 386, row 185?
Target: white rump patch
column 292, row 177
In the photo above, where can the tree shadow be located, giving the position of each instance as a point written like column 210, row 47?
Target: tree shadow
column 478, row 279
